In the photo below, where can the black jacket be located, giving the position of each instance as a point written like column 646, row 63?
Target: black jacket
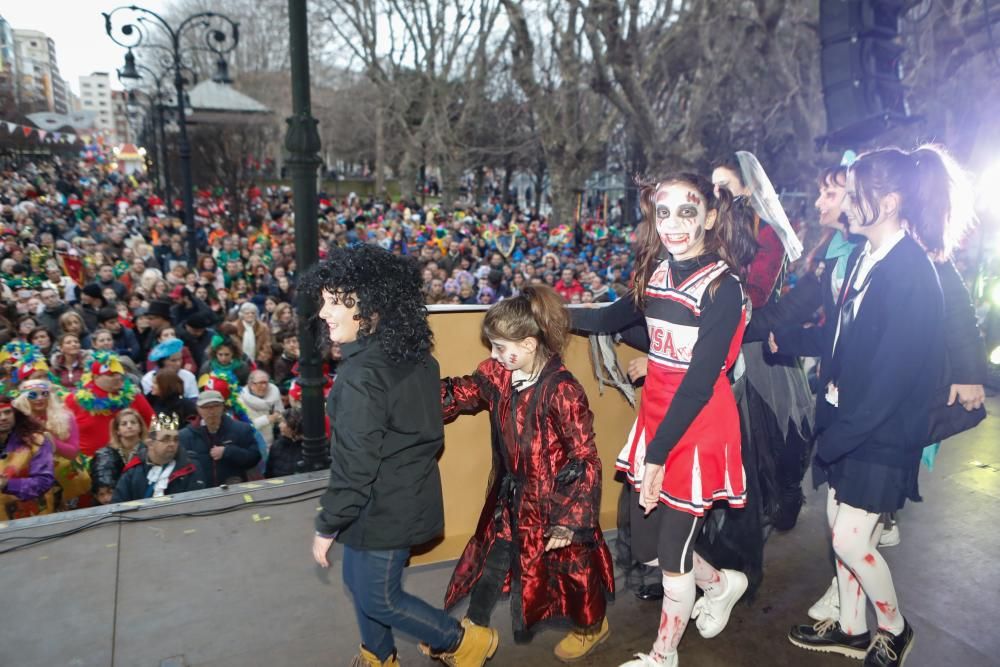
column 106, row 468
column 965, row 346
column 283, row 458
column 387, row 431
column 240, row 455
column 888, row 367
column 133, row 483
column 184, row 408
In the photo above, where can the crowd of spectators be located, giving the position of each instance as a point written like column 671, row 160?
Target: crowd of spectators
column 107, row 326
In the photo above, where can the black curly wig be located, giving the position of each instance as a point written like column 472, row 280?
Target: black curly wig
column 387, row 287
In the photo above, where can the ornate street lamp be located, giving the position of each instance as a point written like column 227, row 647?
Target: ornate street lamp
column 220, row 35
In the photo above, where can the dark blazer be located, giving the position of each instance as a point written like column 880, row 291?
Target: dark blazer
column 887, row 367
column 386, row 433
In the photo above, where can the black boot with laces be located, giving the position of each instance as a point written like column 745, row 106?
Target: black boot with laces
column 889, row 650
column 828, row 637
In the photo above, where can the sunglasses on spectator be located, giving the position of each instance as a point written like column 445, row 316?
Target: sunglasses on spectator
column 35, row 394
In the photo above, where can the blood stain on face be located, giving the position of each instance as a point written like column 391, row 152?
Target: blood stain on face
column 693, row 198
column 513, row 359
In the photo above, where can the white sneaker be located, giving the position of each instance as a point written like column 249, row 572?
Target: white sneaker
column 646, row 660
column 890, row 538
column 712, row 613
column 827, row 606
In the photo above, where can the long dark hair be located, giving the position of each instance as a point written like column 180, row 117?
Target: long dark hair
column 731, row 237
column 388, row 290
column 935, row 197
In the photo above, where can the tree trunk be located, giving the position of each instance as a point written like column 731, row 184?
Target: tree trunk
column 450, row 176
column 508, row 173
column 565, row 187
column 539, row 183
column 379, row 149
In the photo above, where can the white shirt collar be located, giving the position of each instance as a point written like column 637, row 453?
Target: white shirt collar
column 880, row 254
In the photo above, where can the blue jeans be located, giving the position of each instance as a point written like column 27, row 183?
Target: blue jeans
column 374, row 578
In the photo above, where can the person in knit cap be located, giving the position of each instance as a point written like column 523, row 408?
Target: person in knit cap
column 104, row 391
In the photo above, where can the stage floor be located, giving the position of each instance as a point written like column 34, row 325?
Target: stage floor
column 946, row 572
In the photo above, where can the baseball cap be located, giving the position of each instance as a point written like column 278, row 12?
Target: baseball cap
column 209, row 397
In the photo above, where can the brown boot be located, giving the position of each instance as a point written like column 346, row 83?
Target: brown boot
column 367, row 659
column 579, row 643
column 477, row 646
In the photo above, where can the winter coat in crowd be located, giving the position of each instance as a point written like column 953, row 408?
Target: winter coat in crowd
column 241, row 451
column 135, row 483
column 283, row 458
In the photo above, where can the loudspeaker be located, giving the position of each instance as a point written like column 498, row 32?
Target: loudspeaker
column 842, row 19
column 860, row 65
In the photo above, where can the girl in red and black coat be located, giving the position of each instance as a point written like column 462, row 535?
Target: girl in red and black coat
column 538, row 533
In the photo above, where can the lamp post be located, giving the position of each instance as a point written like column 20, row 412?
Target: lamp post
column 157, row 103
column 220, row 35
column 302, row 142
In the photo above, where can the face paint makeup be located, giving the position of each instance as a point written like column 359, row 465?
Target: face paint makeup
column 681, row 220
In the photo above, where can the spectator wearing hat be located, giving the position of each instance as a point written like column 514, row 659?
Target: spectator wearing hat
column 187, row 359
column 91, row 300
column 158, row 316
column 197, row 333
column 169, row 355
column 161, row 467
column 105, row 391
column 225, row 449
column 185, row 305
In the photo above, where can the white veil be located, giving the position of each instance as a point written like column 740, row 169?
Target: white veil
column 766, row 204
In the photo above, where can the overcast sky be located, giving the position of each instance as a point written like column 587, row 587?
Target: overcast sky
column 77, row 27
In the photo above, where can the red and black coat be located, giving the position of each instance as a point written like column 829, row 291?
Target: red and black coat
column 133, row 483
column 546, row 473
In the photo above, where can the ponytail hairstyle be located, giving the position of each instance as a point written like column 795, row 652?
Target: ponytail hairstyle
column 537, row 312
column 936, row 201
column 731, row 237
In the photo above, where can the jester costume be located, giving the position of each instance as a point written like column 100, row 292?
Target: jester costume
column 94, row 408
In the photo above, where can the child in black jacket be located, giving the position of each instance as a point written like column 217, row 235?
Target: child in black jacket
column 883, row 362
column 286, row 451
